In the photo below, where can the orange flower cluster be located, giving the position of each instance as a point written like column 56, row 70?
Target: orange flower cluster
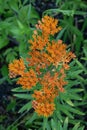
column 38, row 42
column 16, row 68
column 27, row 79
column 48, row 25
column 50, row 59
column 51, row 85
column 43, row 109
column 44, row 53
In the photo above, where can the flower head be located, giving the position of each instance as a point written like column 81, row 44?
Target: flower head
column 28, row 80
column 48, row 26
column 47, row 65
column 16, row 68
column 43, row 109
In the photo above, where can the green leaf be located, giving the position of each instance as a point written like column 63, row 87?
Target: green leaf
column 45, row 124
column 84, row 25
column 33, row 13
column 26, row 107
column 4, row 26
column 62, row 108
column 3, row 41
column 70, row 95
column 27, row 13
column 81, row 103
column 61, row 33
column 85, row 49
column 59, row 126
column 14, row 5
column 25, row 1
column 19, row 89
column 81, row 128
column 23, row 96
column 69, row 102
column 76, row 126
column 64, row 12
column 11, row 56
column 59, row 116
column 21, row 26
column 31, row 119
column 80, row 65
column 65, row 127
column 45, row 121
column 15, row 31
column 22, row 48
column 48, row 126
column 71, row 84
column 74, row 96
column 9, row 50
column 78, row 112
column 4, row 70
column 76, row 90
column 75, row 73
column 54, row 124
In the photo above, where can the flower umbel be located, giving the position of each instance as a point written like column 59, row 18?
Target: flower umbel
column 16, row 68
column 28, row 79
column 47, row 65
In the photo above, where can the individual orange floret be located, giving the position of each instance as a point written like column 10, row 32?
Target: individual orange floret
column 43, row 109
column 16, row 68
column 28, row 80
column 48, row 25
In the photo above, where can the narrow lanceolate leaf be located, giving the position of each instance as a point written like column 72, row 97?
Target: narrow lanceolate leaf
column 33, row 117
column 76, row 90
column 24, row 96
column 81, row 128
column 64, row 12
column 76, row 126
column 59, row 126
column 65, row 127
column 45, row 121
column 46, row 124
column 75, row 73
column 59, row 116
column 20, row 24
column 65, row 111
column 60, row 34
column 74, row 97
column 73, row 110
column 70, row 102
column 19, row 89
column 54, row 124
column 26, row 107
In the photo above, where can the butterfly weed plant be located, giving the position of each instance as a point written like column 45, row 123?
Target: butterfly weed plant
column 49, row 76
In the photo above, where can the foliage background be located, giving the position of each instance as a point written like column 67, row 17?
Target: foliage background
column 17, row 20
